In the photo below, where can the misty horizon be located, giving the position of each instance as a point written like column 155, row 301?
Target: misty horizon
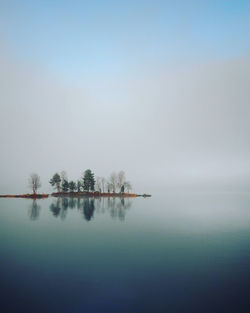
column 165, row 105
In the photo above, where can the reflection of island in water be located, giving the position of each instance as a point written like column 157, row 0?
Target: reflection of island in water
column 34, row 210
column 116, row 207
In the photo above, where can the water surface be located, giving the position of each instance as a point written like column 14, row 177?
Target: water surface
column 185, row 252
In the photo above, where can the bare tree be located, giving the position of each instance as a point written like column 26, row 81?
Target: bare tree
column 98, row 184
column 109, row 186
column 120, row 180
column 63, row 176
column 113, row 181
column 128, row 186
column 34, row 182
column 103, row 181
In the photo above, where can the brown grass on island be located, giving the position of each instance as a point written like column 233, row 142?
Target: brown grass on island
column 92, row 194
column 28, row 195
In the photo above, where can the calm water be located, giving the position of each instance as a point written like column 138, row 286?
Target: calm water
column 177, row 253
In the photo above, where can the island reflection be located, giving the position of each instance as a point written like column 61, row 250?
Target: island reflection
column 88, row 207
column 34, row 210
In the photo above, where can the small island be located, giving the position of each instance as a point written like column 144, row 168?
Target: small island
column 86, row 186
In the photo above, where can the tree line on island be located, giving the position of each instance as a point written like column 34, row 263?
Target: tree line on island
column 116, row 183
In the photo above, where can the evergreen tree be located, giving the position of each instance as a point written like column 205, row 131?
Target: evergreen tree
column 65, row 186
column 55, row 181
column 88, row 181
column 122, row 189
column 72, row 186
column 79, row 186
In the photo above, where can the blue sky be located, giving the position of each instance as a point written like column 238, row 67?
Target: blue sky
column 89, row 38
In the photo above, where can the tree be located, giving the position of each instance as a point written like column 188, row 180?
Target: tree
column 128, row 186
column 55, row 181
column 34, row 182
column 65, row 185
column 122, row 189
column 98, row 184
column 63, row 176
column 120, row 180
column 113, row 181
column 108, row 186
column 79, row 186
column 103, row 184
column 88, row 181
column 72, row 186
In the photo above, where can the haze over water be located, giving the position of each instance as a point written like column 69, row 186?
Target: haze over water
column 184, row 252
column 158, row 89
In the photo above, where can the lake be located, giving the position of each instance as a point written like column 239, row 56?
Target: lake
column 181, row 252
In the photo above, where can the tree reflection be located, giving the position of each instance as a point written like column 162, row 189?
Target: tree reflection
column 78, row 203
column 115, row 207
column 72, row 203
column 118, row 207
column 88, row 208
column 65, row 205
column 34, row 211
column 55, row 208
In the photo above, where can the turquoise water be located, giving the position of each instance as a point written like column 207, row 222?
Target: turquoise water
column 181, row 252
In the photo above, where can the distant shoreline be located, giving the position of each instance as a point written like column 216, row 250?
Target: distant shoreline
column 76, row 194
column 28, row 196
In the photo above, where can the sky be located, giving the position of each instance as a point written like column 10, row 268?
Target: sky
column 159, row 89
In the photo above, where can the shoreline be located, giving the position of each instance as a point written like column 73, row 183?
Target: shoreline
column 28, row 196
column 92, row 194
column 82, row 194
